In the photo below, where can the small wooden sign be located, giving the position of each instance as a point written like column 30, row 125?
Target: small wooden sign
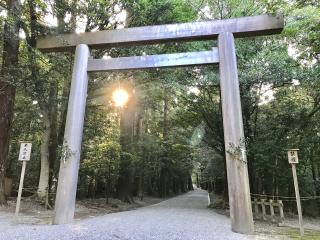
column 293, row 159
column 24, row 156
column 293, row 156
column 25, row 151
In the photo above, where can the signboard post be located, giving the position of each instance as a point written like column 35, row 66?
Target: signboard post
column 293, row 160
column 24, row 156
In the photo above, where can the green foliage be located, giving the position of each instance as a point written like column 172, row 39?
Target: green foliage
column 303, row 30
column 155, row 12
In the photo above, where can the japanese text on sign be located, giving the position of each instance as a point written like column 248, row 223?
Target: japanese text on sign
column 25, row 151
column 293, row 156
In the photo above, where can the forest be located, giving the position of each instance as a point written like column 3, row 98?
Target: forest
column 169, row 134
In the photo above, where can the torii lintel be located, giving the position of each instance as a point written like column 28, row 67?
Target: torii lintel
column 206, row 30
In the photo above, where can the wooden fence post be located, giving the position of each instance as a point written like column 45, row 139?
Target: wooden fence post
column 264, row 217
column 281, row 211
column 256, row 208
column 271, row 210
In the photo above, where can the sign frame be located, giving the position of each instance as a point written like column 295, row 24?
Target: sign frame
column 25, row 151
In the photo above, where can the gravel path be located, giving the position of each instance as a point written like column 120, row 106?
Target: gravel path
column 184, row 217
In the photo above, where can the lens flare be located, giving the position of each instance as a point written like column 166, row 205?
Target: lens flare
column 120, row 97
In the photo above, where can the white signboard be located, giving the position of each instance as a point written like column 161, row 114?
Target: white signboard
column 25, row 151
column 293, row 155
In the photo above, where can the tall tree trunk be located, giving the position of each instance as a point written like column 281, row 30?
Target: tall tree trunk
column 190, row 184
column 49, row 143
column 198, row 182
column 52, row 129
column 164, row 171
column 44, row 170
column 7, row 90
column 45, row 106
column 126, row 171
column 108, row 189
column 139, row 131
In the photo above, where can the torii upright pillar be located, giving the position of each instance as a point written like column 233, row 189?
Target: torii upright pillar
column 237, row 170
column 70, row 161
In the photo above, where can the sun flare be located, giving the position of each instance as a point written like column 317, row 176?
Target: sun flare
column 120, row 97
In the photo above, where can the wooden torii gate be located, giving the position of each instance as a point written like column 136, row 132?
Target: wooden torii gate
column 224, row 55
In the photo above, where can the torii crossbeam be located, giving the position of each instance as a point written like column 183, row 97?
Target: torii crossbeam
column 224, row 55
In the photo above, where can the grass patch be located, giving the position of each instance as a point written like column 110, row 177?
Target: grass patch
column 308, row 234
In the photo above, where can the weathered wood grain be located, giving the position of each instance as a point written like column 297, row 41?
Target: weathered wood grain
column 240, row 27
column 154, row 61
column 237, row 171
column 296, row 189
column 70, row 160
